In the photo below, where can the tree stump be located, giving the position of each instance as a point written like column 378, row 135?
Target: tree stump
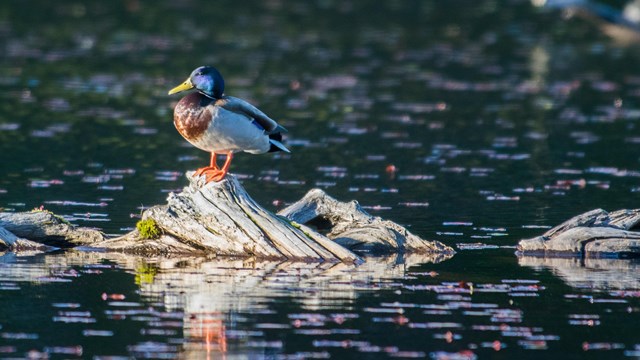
column 222, row 219
column 596, row 233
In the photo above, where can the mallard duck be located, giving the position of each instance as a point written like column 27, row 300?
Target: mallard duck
column 222, row 124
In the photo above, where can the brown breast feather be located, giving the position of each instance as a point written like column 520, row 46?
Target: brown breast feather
column 191, row 116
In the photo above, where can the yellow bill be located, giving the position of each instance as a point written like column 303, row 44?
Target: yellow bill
column 182, row 87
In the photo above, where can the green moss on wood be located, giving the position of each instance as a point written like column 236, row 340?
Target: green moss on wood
column 299, row 227
column 148, row 229
column 58, row 217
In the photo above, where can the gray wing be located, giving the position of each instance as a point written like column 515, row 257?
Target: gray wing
column 238, row 105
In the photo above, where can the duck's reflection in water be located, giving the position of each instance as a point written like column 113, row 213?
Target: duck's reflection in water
column 215, row 300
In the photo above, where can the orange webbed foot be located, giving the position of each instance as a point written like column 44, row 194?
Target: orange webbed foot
column 212, row 172
column 214, row 175
column 205, row 169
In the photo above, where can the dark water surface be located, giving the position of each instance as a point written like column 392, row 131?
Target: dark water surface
column 500, row 120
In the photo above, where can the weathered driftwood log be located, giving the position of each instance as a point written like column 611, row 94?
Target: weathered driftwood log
column 352, row 227
column 596, row 233
column 222, row 219
column 42, row 230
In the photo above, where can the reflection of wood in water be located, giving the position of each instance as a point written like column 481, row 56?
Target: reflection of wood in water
column 207, row 329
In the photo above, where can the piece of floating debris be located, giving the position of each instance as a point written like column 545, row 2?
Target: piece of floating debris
column 596, row 233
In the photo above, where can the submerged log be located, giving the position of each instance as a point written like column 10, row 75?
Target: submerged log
column 596, row 233
column 222, row 219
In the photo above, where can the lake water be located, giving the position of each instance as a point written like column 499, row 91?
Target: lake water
column 475, row 123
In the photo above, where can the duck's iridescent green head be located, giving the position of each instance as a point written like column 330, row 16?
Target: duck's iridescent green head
column 205, row 79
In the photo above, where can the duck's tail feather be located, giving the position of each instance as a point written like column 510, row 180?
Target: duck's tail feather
column 276, row 145
column 279, row 129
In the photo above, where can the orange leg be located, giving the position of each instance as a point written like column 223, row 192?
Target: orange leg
column 212, row 166
column 212, row 172
column 219, row 174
